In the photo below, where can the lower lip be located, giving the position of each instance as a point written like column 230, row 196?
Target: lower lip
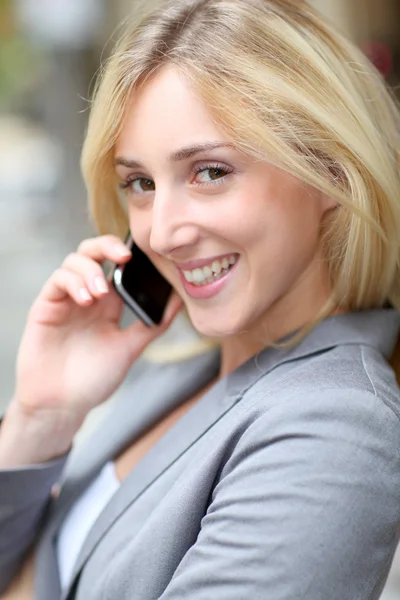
column 202, row 292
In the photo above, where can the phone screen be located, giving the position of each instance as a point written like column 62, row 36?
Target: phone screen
column 145, row 285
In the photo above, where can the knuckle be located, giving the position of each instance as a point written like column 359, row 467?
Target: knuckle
column 97, row 271
column 62, row 277
column 58, row 274
column 111, row 238
column 69, row 259
column 85, row 245
column 92, row 274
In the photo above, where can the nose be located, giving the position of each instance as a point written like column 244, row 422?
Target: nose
column 172, row 225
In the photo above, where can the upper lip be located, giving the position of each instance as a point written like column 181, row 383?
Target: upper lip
column 201, row 262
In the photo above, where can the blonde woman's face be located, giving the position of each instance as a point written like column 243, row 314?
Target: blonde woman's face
column 237, row 238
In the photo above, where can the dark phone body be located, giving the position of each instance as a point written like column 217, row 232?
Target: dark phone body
column 141, row 286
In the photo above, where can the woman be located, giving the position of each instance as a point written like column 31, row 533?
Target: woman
column 253, row 142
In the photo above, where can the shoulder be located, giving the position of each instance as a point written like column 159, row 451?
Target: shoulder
column 338, row 378
column 308, row 486
column 336, row 408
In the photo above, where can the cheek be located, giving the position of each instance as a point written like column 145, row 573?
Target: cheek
column 294, row 234
column 283, row 235
column 140, row 229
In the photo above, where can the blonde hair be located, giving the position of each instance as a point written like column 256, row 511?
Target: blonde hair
column 286, row 87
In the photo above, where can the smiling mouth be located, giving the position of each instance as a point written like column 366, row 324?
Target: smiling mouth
column 212, row 272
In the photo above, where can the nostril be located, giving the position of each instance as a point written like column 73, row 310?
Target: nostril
column 168, row 240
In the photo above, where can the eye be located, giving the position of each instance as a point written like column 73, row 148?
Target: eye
column 139, row 185
column 209, row 174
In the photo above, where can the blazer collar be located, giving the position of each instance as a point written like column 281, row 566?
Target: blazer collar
column 378, row 328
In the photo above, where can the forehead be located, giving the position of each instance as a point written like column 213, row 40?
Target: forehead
column 166, row 114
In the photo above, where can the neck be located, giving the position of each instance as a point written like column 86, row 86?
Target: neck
column 281, row 319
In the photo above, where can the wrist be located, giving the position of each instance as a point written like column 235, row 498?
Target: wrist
column 29, row 437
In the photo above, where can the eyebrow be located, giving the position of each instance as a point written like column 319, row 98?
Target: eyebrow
column 179, row 155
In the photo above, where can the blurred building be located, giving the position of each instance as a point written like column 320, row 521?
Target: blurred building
column 373, row 24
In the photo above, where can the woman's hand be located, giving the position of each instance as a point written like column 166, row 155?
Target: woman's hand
column 73, row 354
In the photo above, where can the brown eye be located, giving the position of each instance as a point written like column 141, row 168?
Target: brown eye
column 138, row 185
column 216, row 173
column 146, row 185
column 209, row 174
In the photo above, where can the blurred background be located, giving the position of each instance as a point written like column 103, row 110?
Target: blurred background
column 50, row 51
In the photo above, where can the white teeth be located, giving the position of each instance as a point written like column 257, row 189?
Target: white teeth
column 216, row 267
column 198, row 276
column 188, row 276
column 210, row 273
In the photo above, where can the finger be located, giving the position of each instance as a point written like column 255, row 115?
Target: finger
column 90, row 271
column 64, row 284
column 138, row 335
column 105, row 247
column 173, row 307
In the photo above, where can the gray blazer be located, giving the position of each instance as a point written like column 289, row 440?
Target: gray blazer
column 281, row 483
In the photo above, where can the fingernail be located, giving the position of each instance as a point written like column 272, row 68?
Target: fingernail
column 122, row 251
column 101, row 285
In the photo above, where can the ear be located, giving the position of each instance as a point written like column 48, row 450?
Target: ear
column 328, row 204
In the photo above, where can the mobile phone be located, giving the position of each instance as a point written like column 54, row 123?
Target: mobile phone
column 141, row 286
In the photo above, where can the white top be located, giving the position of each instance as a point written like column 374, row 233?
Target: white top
column 81, row 518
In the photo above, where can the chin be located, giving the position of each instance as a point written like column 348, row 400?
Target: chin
column 215, row 325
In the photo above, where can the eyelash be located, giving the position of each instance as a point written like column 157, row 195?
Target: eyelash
column 213, row 166
column 196, row 170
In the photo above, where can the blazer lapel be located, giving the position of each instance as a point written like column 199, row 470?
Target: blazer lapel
column 181, row 436
column 155, row 393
